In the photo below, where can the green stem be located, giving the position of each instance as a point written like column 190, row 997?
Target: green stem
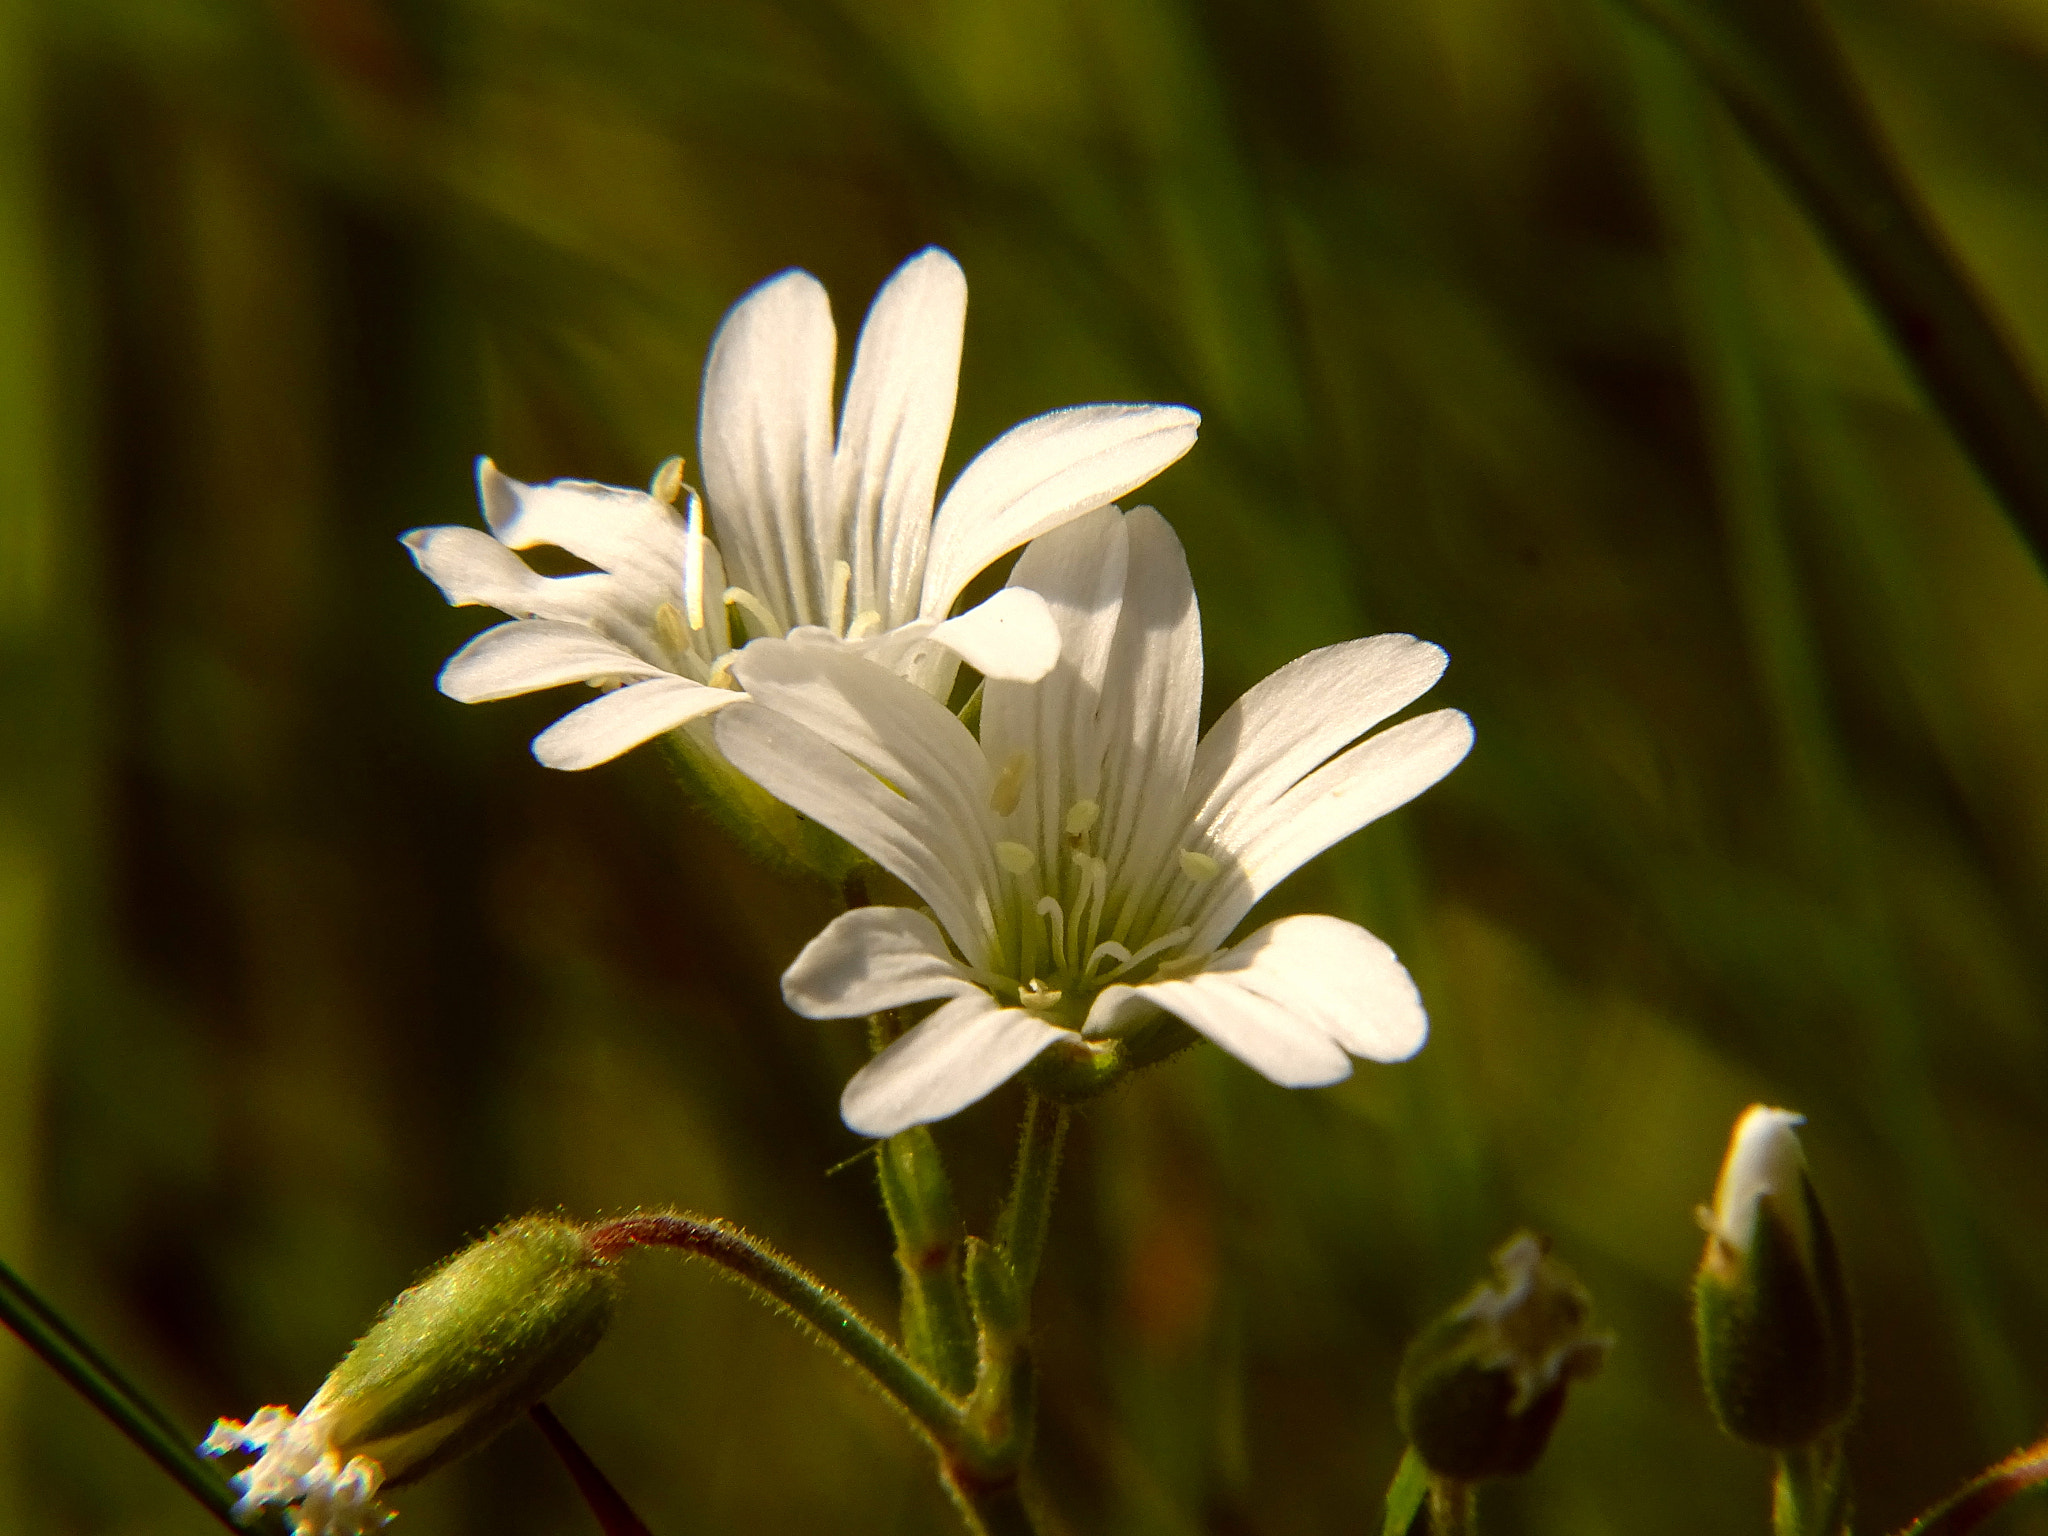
column 1810, row 1496
column 804, row 1296
column 938, row 1328
column 92, row 1376
column 1779, row 71
column 1000, row 1510
column 1020, row 1232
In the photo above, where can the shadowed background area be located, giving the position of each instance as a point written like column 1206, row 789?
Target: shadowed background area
column 1501, row 336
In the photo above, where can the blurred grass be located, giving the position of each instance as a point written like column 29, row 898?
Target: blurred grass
column 1501, row 336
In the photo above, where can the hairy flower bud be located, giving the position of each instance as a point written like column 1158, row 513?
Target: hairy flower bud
column 449, row 1363
column 1482, row 1387
column 1776, row 1339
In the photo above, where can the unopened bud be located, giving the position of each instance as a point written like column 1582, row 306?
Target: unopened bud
column 449, row 1363
column 1776, row 1338
column 1482, row 1388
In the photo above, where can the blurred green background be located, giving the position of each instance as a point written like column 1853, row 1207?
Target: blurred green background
column 1501, row 336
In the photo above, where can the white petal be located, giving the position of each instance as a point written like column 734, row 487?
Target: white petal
column 1011, row 637
column 894, row 730
column 765, row 437
column 1052, row 726
column 1269, row 1037
column 869, row 959
column 627, row 533
column 1336, row 976
column 1300, row 715
column 1362, row 785
column 807, row 773
column 892, row 430
column 472, row 569
column 1039, row 475
column 529, row 654
column 1151, row 705
column 620, row 720
column 964, row 1051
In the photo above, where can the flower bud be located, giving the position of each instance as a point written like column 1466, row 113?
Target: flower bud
column 450, row 1363
column 1777, row 1341
column 1482, row 1387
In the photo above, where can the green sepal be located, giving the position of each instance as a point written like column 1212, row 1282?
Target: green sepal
column 784, row 840
column 470, row 1348
column 938, row 1331
column 1777, row 1346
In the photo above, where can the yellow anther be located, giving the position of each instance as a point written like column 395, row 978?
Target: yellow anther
column 1009, row 785
column 1198, row 867
column 867, row 622
column 1036, row 994
column 1082, row 815
column 1015, row 857
column 721, row 675
column 667, row 483
column 668, row 627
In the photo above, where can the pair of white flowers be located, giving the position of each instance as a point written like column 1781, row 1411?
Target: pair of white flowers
column 1083, row 859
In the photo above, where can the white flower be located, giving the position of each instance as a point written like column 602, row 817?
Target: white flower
column 300, row 1471
column 1085, row 860
column 1764, row 1162
column 814, row 532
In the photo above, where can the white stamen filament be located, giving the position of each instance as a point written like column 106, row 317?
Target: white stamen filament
column 721, row 674
column 1164, row 941
column 761, row 619
column 668, row 629
column 835, row 607
column 693, row 564
column 1108, row 947
column 1049, row 909
column 867, row 622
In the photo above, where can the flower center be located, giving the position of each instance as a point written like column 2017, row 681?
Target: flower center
column 1061, row 931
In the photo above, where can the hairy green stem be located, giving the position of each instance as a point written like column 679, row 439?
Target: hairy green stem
column 93, row 1377
column 1020, row 1232
column 1811, row 1496
column 805, row 1297
column 1779, row 71
column 1000, row 1510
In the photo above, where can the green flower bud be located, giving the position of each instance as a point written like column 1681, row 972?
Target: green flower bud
column 449, row 1363
column 1482, row 1387
column 1776, row 1338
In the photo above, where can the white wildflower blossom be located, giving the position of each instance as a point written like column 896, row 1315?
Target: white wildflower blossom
column 821, row 534
column 322, row 1489
column 1085, row 860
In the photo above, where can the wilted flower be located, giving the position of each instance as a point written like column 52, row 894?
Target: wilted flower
column 1481, row 1388
column 450, row 1363
column 816, row 534
column 1085, row 860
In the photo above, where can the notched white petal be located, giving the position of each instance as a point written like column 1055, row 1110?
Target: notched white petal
column 1011, row 637
column 964, row 1051
column 1040, row 474
column 870, row 959
column 622, row 719
column 530, row 654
